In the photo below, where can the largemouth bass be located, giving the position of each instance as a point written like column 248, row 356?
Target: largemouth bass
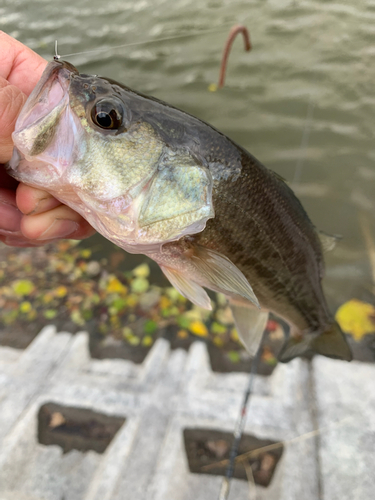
column 158, row 181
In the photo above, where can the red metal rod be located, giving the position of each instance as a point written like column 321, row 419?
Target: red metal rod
column 228, row 45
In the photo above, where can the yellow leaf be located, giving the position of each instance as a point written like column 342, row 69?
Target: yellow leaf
column 218, row 341
column 234, row 335
column 23, row 287
column 86, row 253
column 147, row 341
column 61, row 291
column 357, row 318
column 115, row 286
column 198, row 328
column 25, row 307
column 164, row 302
column 142, row 271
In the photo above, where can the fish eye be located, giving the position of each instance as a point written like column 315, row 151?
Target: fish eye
column 108, row 114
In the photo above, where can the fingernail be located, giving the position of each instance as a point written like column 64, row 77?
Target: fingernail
column 60, row 228
column 10, row 217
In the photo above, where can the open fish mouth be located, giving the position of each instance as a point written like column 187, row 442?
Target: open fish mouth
column 46, row 128
column 39, row 118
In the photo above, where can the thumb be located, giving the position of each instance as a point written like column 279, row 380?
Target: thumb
column 11, row 101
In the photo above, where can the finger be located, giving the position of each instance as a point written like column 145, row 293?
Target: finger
column 61, row 222
column 34, row 201
column 11, row 102
column 19, row 65
column 10, row 216
column 21, row 241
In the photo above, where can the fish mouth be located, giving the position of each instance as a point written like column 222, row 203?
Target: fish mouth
column 40, row 115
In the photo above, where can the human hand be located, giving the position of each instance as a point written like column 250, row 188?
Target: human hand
column 28, row 216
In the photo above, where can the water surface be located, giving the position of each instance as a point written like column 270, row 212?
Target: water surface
column 302, row 101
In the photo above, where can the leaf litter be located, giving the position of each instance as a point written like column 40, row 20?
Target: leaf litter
column 64, row 284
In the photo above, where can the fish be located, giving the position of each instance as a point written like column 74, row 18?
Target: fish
column 158, row 181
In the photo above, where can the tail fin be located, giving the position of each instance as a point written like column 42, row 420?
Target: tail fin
column 331, row 343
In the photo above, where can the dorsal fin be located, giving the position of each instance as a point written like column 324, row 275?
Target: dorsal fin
column 328, row 241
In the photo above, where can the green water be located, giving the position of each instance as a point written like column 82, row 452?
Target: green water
column 308, row 81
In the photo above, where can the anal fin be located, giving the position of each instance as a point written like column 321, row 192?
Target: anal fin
column 250, row 324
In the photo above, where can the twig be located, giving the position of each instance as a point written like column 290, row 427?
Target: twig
column 228, row 45
column 275, row 446
column 225, row 486
column 250, row 480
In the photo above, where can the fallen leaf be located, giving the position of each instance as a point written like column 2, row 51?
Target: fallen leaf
column 86, row 253
column 356, row 318
column 234, row 335
column 61, row 291
column 142, row 271
column 50, row 313
column 182, row 334
column 150, row 327
column 57, row 419
column 114, row 285
column 234, row 356
column 25, row 307
column 23, row 287
column 164, row 302
column 218, row 448
column 219, row 342
column 218, row 329
column 198, row 328
column 139, row 285
column 147, row 341
column 77, row 318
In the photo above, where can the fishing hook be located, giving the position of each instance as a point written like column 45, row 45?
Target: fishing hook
column 238, row 28
column 56, row 57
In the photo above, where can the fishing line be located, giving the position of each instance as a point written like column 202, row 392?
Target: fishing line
column 304, row 141
column 223, row 27
column 238, row 431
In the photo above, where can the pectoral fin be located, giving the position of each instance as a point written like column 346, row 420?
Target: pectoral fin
column 188, row 288
column 250, row 324
column 221, row 274
column 190, row 268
